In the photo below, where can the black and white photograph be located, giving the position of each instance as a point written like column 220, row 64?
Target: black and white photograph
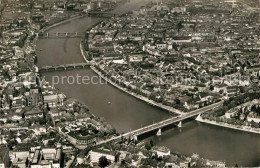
column 129, row 83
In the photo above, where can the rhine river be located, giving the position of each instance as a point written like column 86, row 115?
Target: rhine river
column 127, row 113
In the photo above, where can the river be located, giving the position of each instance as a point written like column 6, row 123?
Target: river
column 127, row 113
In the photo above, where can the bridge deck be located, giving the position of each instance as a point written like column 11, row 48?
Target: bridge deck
column 62, row 35
column 64, row 67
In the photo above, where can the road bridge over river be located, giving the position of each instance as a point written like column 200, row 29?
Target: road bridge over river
column 161, row 124
column 154, row 127
column 64, row 67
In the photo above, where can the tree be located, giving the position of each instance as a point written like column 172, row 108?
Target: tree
column 41, row 121
column 151, row 143
column 103, row 162
column 51, row 143
column 8, row 121
column 211, row 87
column 177, row 101
column 84, row 132
column 16, row 93
column 5, row 73
column 11, row 144
column 179, row 26
column 242, row 89
column 123, row 162
column 47, row 107
column 148, row 146
column 63, row 119
column 221, row 92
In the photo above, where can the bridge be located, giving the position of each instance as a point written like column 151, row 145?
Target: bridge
column 158, row 126
column 62, row 35
column 64, row 67
column 102, row 14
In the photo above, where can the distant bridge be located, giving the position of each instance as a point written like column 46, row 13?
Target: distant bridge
column 62, row 35
column 64, row 67
column 102, row 14
column 157, row 126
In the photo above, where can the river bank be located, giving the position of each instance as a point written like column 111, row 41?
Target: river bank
column 145, row 99
column 62, row 22
column 240, row 128
column 83, row 53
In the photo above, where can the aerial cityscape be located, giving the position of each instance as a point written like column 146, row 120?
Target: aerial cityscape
column 129, row 83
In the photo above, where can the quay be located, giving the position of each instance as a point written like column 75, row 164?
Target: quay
column 230, row 126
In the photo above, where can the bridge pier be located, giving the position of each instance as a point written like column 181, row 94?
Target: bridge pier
column 64, row 67
column 57, row 34
column 135, row 138
column 66, row 34
column 76, row 34
column 47, row 35
column 159, row 132
column 180, row 124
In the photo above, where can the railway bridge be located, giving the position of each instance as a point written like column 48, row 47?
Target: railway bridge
column 64, row 67
column 62, row 35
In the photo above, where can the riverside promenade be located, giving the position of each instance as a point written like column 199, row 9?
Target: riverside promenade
column 145, row 99
column 236, row 127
